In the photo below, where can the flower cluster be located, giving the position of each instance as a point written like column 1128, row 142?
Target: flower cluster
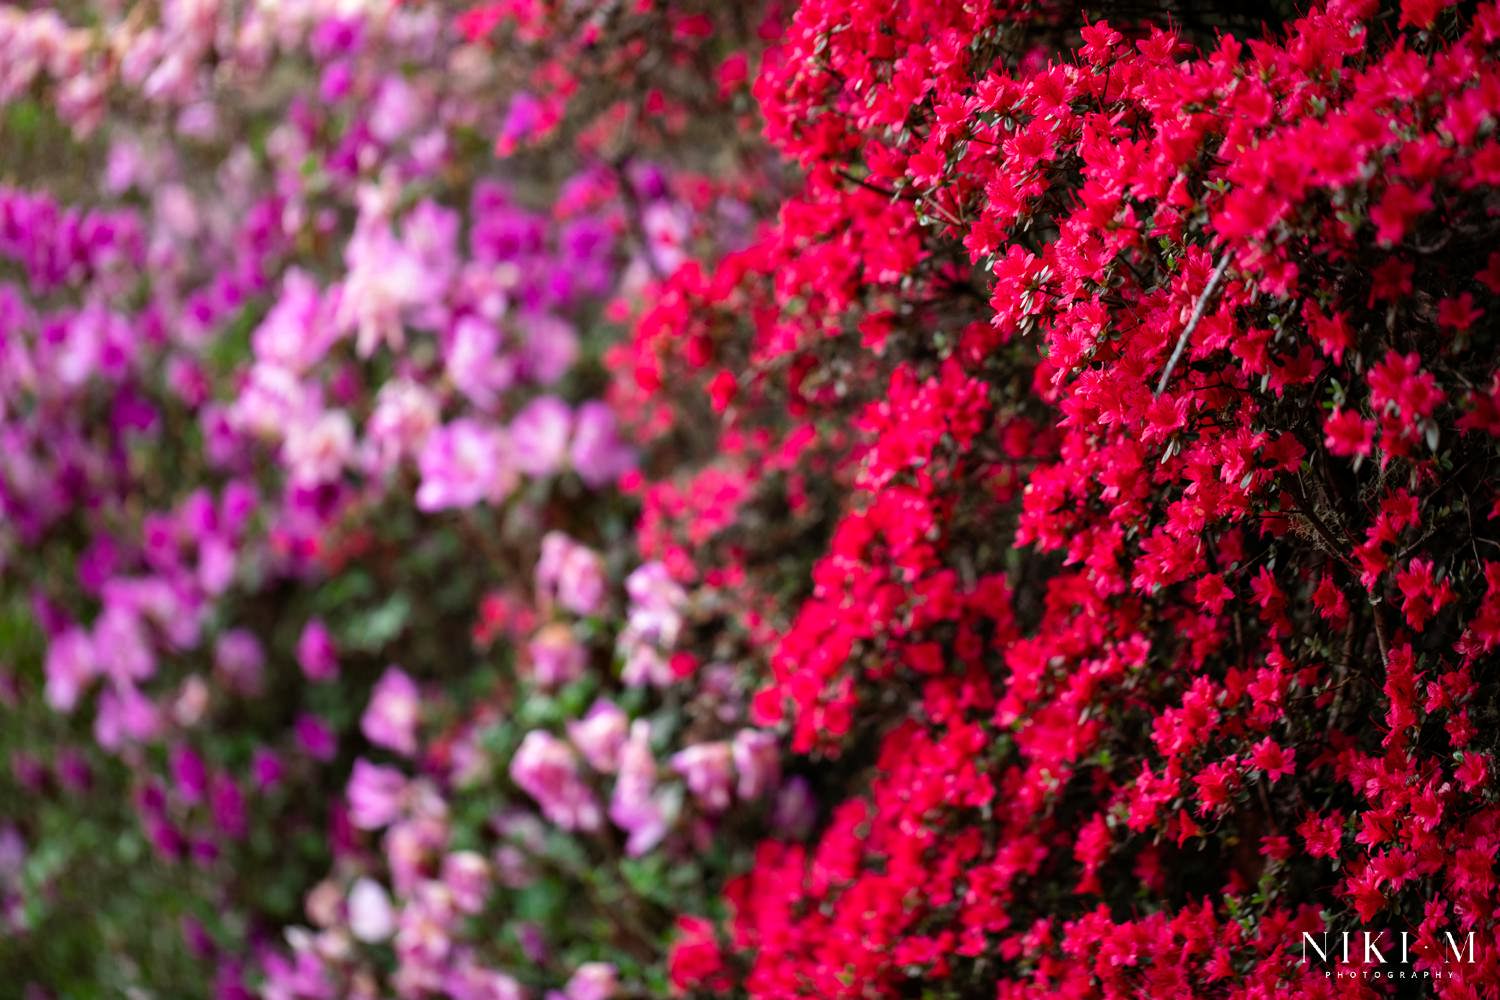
column 1098, row 453
column 317, row 591
column 818, row 500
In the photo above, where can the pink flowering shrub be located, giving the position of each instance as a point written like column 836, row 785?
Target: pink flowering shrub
column 328, row 667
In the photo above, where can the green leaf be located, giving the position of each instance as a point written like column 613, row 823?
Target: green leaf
column 373, row 630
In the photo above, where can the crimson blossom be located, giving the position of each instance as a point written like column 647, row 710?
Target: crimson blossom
column 1098, row 454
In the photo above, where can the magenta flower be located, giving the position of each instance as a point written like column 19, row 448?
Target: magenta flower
column 121, row 647
column 464, row 463
column 390, row 719
column 266, row 768
column 472, row 982
column 73, row 771
column 644, row 665
column 546, row 769
column 236, row 506
column 303, row 976
column 666, row 229
column 29, row 772
column 522, row 119
column 165, row 838
column 397, row 109
column 270, row 400
column 429, row 235
column 413, row 843
column 315, row 737
column 374, row 794
column 228, row 805
column 125, row 716
column 548, row 349
column 216, row 564
column 474, row 363
column 297, row 332
column 387, row 279
column 425, row 928
column 599, row 456
column 189, row 775
column 656, row 603
column 539, row 435
column 316, row 654
column 795, row 809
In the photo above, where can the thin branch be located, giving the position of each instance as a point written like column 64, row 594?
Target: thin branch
column 1303, row 506
column 1380, row 637
column 634, row 212
column 1194, row 319
column 867, row 185
column 1341, row 674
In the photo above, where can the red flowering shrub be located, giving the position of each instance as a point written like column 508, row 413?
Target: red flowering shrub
column 1100, row 451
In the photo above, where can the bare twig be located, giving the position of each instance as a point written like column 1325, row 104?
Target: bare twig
column 1341, row 674
column 1380, row 637
column 867, row 185
column 1194, row 319
column 1303, row 505
column 635, row 215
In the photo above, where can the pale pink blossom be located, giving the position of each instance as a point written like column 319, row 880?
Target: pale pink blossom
column 634, row 806
column 547, row 770
column 756, row 762
column 706, row 768
column 539, row 435
column 557, row 657
column 372, row 919
column 600, row 735
column 390, row 719
column 317, row 450
column 467, row 876
column 571, row 572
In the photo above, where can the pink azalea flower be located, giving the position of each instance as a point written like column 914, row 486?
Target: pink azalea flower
column 539, row 435
column 546, row 769
column 372, row 919
column 634, row 806
column 465, row 463
column 600, row 735
column 556, row 656
column 598, row 454
column 706, row 768
column 375, row 794
column 69, row 667
column 390, row 719
column 756, row 762
column 572, row 572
